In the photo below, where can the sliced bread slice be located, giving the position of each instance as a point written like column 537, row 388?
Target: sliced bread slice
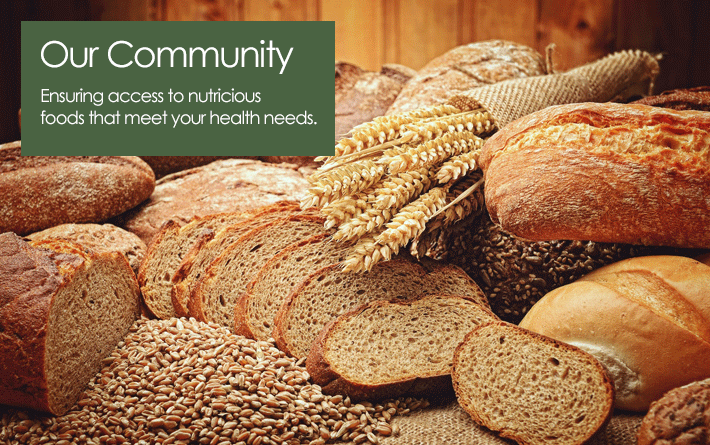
column 63, row 308
column 531, row 388
column 205, row 250
column 388, row 349
column 174, row 241
column 257, row 307
column 329, row 293
column 225, row 280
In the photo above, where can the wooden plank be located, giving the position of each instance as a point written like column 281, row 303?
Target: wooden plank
column 281, row 10
column 582, row 30
column 513, row 20
column 203, row 10
column 359, row 26
column 427, row 29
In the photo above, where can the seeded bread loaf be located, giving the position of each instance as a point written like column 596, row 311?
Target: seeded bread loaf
column 224, row 186
column 681, row 416
column 215, row 295
column 530, row 388
column 682, row 99
column 38, row 192
column 646, row 319
column 386, row 349
column 257, row 307
column 465, row 67
column 606, row 172
column 99, row 238
column 329, row 293
column 63, row 308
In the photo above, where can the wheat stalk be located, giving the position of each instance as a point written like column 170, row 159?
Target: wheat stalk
column 347, row 179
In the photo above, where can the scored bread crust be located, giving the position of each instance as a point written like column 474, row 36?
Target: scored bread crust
column 457, row 380
column 609, row 172
column 31, row 276
column 325, row 374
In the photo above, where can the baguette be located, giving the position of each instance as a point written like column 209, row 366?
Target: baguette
column 647, row 319
column 608, row 172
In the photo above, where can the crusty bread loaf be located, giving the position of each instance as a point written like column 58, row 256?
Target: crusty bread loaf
column 196, row 261
column 228, row 185
column 272, row 284
column 607, row 172
column 38, row 192
column 63, row 309
column 697, row 98
column 681, row 416
column 386, row 349
column 215, row 296
column 465, row 67
column 99, row 238
column 329, row 293
column 530, row 388
column 646, row 319
column 362, row 95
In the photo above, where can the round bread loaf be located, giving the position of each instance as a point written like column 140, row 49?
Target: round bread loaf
column 681, row 416
column 228, row 185
column 647, row 319
column 465, row 67
column 38, row 192
column 607, row 172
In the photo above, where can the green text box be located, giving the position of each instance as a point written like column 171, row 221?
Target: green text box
column 114, row 88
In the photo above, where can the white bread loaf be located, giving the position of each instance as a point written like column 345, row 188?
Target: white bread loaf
column 647, row 319
column 608, row 172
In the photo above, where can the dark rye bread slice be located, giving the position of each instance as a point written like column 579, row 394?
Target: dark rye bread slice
column 388, row 349
column 196, row 261
column 173, row 242
column 257, row 307
column 329, row 293
column 531, row 388
column 225, row 280
column 63, row 308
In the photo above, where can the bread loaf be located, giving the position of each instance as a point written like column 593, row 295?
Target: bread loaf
column 465, row 67
column 606, row 172
column 362, row 95
column 223, row 186
column 682, row 99
column 63, row 309
column 385, row 349
column 99, row 238
column 530, row 388
column 647, row 319
column 681, row 416
column 38, row 192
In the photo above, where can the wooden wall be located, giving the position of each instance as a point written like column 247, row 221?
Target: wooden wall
column 412, row 32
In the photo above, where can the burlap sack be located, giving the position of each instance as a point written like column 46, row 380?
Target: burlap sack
column 613, row 77
column 450, row 424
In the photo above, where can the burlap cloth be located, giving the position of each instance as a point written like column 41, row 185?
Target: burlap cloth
column 614, row 77
column 448, row 423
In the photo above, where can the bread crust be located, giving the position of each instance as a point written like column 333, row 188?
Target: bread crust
column 38, row 192
column 651, row 350
column 615, row 173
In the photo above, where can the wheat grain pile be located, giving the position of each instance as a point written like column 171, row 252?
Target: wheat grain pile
column 400, row 180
